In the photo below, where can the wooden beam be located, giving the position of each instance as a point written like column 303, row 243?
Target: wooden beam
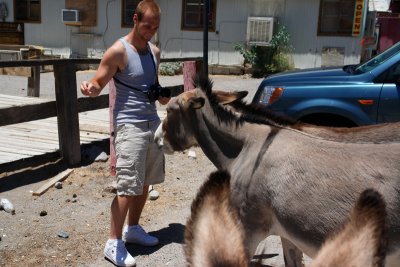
column 30, row 112
column 44, row 62
column 34, row 82
column 67, row 112
column 92, row 103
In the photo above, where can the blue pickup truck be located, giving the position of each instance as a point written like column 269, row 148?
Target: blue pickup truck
column 353, row 95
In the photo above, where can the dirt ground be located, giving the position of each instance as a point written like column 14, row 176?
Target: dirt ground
column 81, row 209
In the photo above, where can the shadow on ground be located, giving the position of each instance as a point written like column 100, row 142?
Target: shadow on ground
column 41, row 168
column 171, row 234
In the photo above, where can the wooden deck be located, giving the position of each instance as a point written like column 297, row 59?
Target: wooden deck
column 28, row 140
column 34, row 138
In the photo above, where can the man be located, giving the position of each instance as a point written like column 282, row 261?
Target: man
column 132, row 63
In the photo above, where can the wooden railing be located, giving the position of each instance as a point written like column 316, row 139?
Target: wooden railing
column 66, row 105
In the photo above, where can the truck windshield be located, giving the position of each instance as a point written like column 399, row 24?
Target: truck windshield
column 378, row 59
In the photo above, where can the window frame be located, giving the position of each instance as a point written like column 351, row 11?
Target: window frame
column 17, row 3
column 338, row 32
column 199, row 27
column 124, row 3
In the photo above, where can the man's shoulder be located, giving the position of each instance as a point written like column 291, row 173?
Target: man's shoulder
column 154, row 48
column 117, row 48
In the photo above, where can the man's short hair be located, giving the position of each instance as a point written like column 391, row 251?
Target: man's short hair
column 144, row 5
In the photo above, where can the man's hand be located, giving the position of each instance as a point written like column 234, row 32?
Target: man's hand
column 89, row 89
column 163, row 100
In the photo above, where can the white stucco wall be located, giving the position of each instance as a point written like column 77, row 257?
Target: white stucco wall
column 231, row 24
column 299, row 16
column 301, row 19
column 73, row 41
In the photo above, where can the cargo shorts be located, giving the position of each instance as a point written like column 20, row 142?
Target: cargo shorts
column 139, row 160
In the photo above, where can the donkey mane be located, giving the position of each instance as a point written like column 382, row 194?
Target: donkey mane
column 251, row 113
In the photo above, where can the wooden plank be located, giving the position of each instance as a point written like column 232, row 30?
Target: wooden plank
column 92, row 103
column 20, row 100
column 30, row 141
column 28, row 112
column 59, row 177
column 8, row 157
column 36, row 133
column 93, row 128
column 24, row 152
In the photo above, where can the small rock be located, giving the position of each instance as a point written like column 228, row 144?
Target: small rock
column 192, row 154
column 153, row 195
column 63, row 234
column 112, row 188
column 74, row 200
column 74, row 195
column 103, row 157
column 7, row 206
column 58, row 185
column 43, row 213
column 94, row 153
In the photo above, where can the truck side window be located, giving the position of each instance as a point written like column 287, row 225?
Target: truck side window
column 392, row 75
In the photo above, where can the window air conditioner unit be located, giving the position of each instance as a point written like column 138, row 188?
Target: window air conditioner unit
column 259, row 30
column 69, row 15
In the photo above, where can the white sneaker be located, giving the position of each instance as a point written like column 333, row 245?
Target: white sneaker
column 137, row 235
column 115, row 251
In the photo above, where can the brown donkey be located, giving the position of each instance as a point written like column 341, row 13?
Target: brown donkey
column 214, row 235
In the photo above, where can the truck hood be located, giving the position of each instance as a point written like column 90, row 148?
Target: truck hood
column 316, row 75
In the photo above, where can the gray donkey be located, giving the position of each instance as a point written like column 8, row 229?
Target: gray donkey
column 287, row 181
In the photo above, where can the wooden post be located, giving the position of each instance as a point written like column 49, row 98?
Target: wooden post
column 111, row 95
column 190, row 69
column 67, row 112
column 34, row 82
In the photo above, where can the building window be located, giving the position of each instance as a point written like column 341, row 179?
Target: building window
column 192, row 15
column 128, row 9
column 27, row 10
column 336, row 17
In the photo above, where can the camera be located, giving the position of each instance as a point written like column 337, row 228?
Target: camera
column 156, row 90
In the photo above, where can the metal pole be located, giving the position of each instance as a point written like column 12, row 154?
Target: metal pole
column 206, row 4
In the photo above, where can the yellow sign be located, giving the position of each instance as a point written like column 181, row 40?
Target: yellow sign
column 358, row 17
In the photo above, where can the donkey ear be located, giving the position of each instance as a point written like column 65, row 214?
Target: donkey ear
column 196, row 102
column 225, row 97
column 367, row 222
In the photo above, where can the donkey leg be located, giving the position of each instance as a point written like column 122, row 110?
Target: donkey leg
column 292, row 255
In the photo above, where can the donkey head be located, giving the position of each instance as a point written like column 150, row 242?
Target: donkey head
column 184, row 114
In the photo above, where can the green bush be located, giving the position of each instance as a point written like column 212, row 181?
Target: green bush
column 281, row 50
column 170, row 68
column 269, row 59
